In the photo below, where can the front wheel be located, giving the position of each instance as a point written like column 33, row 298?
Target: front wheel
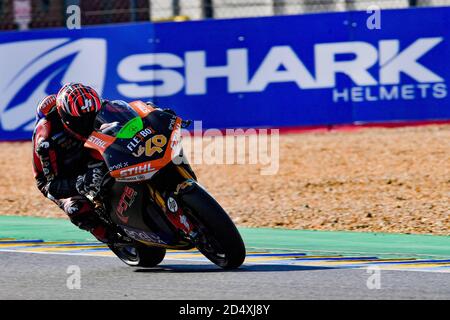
column 138, row 255
column 218, row 238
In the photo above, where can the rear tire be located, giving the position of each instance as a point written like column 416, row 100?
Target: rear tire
column 139, row 255
column 220, row 240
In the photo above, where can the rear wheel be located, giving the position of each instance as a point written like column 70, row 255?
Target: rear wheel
column 138, row 255
column 218, row 238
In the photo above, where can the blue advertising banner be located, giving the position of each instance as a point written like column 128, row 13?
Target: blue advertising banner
column 315, row 69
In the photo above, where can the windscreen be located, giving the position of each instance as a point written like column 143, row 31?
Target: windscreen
column 118, row 119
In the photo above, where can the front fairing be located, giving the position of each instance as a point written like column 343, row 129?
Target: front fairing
column 135, row 151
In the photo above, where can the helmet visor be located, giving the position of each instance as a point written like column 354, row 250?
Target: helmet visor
column 83, row 125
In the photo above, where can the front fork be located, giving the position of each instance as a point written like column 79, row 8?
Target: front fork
column 171, row 206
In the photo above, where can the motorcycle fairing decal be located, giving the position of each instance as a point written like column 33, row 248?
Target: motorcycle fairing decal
column 145, row 169
column 144, row 236
column 184, row 186
column 172, row 205
column 126, row 201
column 140, row 176
column 99, row 141
column 178, row 219
column 131, row 128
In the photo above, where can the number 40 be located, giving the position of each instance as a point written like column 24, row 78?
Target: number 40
column 155, row 144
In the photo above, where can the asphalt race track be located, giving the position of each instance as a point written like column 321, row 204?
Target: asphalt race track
column 31, row 270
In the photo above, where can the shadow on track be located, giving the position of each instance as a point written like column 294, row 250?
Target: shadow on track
column 201, row 268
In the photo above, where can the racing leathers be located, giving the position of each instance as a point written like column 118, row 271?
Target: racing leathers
column 66, row 172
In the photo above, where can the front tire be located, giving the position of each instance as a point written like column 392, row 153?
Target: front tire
column 218, row 239
column 138, row 255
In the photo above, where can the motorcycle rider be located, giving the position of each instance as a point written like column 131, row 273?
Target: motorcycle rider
column 64, row 170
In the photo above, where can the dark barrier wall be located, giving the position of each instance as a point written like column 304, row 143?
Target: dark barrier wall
column 316, row 69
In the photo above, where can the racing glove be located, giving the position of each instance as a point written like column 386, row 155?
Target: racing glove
column 90, row 183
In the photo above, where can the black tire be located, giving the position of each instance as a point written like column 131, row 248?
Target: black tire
column 222, row 243
column 139, row 255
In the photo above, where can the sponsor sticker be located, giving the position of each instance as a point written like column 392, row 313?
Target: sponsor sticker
column 172, row 205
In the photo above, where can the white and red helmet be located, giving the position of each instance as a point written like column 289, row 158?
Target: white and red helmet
column 77, row 106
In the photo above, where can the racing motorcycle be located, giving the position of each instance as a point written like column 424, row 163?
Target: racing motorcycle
column 155, row 202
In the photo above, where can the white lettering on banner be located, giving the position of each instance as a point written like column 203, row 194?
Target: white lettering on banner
column 388, row 93
column 282, row 64
column 440, row 91
column 197, row 72
column 327, row 67
column 385, row 94
column 132, row 70
column 269, row 72
column 393, row 62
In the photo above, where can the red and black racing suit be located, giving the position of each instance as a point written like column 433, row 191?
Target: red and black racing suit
column 58, row 159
